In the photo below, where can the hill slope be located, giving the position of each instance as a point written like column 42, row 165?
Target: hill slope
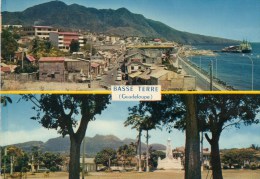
column 119, row 22
column 93, row 144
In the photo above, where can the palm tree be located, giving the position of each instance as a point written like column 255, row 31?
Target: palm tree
column 141, row 120
column 5, row 100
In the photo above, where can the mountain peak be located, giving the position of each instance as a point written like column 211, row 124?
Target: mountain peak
column 118, row 22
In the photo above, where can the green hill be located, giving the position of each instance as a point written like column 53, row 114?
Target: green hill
column 93, row 144
column 118, row 22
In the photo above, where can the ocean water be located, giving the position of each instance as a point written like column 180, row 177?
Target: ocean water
column 235, row 69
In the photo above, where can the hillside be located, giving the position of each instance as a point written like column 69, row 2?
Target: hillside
column 119, row 22
column 93, row 144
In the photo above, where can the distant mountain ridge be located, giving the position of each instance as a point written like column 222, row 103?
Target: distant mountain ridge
column 93, row 144
column 118, row 22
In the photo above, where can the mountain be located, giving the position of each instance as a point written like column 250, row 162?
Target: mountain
column 119, row 22
column 93, row 144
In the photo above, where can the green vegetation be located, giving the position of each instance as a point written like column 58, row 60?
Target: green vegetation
column 105, row 157
column 43, row 48
column 17, row 160
column 247, row 158
column 74, row 46
column 61, row 112
column 213, row 114
column 8, row 44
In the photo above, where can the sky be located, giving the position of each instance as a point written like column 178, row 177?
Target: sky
column 17, row 127
column 233, row 19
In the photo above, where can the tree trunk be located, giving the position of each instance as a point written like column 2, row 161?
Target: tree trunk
column 192, row 146
column 215, row 158
column 147, row 151
column 74, row 164
column 140, row 152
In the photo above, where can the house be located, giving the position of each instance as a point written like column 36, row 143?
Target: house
column 30, row 59
column 90, row 165
column 52, row 69
column 78, row 65
column 95, row 69
column 62, row 40
column 5, row 69
column 145, row 56
column 135, row 65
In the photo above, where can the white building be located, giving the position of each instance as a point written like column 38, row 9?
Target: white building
column 43, row 31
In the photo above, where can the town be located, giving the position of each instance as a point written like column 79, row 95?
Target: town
column 43, row 57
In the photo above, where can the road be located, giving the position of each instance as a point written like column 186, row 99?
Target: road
column 202, row 80
column 110, row 78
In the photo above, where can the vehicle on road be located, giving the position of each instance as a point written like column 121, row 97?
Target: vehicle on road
column 98, row 77
column 119, row 77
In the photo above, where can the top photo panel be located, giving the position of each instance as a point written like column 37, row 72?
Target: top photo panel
column 86, row 45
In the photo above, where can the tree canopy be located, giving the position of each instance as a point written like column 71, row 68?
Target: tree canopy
column 8, row 44
column 214, row 113
column 66, row 112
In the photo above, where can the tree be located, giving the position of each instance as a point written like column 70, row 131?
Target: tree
column 36, row 158
column 74, row 46
column 125, row 154
column 5, row 100
column 66, row 112
column 218, row 112
column 192, row 144
column 8, row 44
column 89, row 48
column 154, row 155
column 141, row 121
column 214, row 113
column 105, row 156
column 52, row 161
column 239, row 156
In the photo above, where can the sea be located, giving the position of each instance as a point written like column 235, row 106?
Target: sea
column 241, row 71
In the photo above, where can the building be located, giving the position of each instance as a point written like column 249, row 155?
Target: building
column 52, row 69
column 90, row 165
column 43, row 31
column 62, row 40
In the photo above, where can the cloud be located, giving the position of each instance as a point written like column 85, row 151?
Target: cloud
column 14, row 137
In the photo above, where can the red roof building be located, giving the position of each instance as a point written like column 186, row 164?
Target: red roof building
column 52, row 69
column 6, row 69
column 62, row 40
column 30, row 58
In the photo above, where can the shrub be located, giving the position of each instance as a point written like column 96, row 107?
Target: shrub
column 53, row 169
column 225, row 167
column 253, row 167
column 247, row 166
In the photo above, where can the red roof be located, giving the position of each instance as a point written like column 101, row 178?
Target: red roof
column 95, row 65
column 6, row 69
column 52, row 59
column 30, row 58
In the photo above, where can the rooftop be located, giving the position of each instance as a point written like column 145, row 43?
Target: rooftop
column 52, row 59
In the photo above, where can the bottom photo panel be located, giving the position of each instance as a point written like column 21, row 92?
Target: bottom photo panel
column 75, row 136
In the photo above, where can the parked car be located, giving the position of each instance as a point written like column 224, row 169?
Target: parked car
column 43, row 169
column 98, row 77
column 119, row 77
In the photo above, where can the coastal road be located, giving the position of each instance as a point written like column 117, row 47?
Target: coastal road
column 202, row 80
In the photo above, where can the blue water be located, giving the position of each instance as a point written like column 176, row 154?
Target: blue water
column 235, row 69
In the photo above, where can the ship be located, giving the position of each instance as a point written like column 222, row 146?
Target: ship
column 244, row 47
